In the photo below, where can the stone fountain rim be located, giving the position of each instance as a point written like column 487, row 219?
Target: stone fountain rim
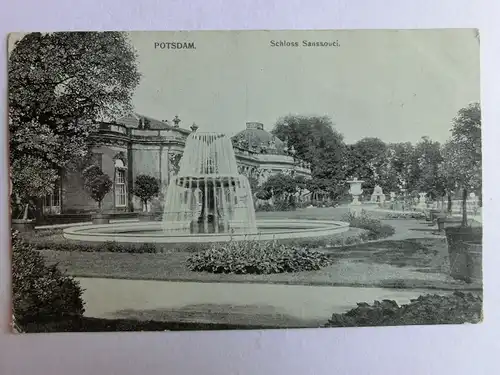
column 317, row 228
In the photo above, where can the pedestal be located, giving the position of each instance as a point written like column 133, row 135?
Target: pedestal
column 355, row 210
column 355, row 206
column 355, row 201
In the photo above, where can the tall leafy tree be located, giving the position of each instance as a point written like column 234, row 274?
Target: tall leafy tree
column 396, row 171
column 316, row 141
column 425, row 169
column 462, row 154
column 366, row 160
column 280, row 184
column 60, row 85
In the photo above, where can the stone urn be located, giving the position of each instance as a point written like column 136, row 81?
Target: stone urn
column 355, row 190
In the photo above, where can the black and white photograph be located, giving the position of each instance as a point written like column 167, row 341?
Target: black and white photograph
column 235, row 180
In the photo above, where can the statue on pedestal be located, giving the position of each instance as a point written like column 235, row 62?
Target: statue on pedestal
column 378, row 195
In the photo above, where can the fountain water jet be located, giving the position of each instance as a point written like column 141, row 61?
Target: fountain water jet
column 208, row 195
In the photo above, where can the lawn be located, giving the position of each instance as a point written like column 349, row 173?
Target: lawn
column 412, row 258
column 412, row 263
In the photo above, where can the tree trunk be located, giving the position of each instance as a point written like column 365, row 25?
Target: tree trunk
column 99, row 205
column 464, row 208
column 450, row 203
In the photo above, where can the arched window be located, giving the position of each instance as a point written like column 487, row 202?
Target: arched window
column 120, row 184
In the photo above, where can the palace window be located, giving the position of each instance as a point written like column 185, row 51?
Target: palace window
column 52, row 202
column 120, row 184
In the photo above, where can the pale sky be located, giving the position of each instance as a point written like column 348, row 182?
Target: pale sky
column 395, row 85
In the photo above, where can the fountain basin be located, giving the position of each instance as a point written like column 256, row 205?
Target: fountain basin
column 152, row 232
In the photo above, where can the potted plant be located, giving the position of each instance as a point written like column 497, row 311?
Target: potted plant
column 145, row 188
column 98, row 185
column 462, row 165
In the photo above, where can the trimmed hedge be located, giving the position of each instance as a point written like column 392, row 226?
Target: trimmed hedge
column 53, row 240
column 406, row 215
column 430, row 309
column 252, row 257
column 41, row 293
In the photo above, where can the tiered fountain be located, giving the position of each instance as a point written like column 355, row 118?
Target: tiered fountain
column 208, row 201
column 208, row 195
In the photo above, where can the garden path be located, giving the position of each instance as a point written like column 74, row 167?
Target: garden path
column 239, row 304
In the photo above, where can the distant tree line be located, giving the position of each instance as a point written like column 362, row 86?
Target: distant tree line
column 439, row 170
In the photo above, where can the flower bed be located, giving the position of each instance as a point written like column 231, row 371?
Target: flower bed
column 250, row 257
column 431, row 309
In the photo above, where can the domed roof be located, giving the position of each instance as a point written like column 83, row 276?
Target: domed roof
column 254, row 137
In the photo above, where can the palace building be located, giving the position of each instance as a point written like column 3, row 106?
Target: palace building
column 139, row 145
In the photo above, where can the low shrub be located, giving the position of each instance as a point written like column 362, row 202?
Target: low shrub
column 406, row 215
column 431, row 309
column 278, row 205
column 41, row 293
column 376, row 229
column 252, row 257
column 265, row 207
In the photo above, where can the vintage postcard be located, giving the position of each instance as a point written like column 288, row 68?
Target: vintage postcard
column 245, row 179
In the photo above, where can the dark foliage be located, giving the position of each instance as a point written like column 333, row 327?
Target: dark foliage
column 96, row 183
column 264, row 194
column 431, row 309
column 41, row 293
column 86, row 324
column 146, row 187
